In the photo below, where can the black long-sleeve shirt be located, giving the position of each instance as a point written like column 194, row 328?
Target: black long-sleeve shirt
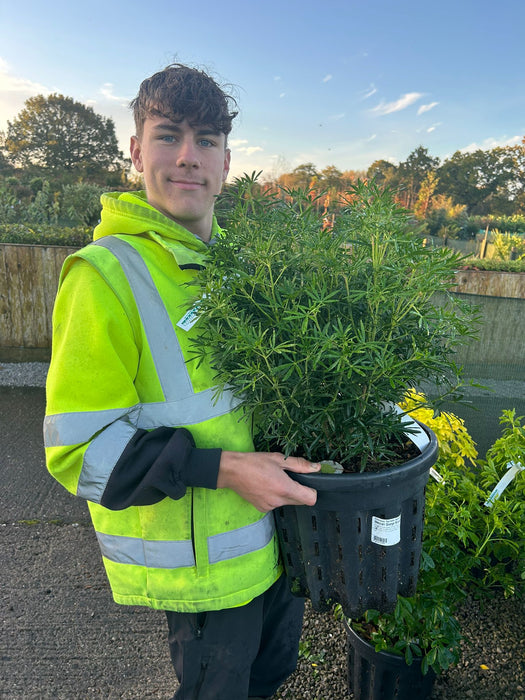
column 159, row 463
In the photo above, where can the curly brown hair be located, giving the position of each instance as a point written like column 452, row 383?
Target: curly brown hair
column 179, row 92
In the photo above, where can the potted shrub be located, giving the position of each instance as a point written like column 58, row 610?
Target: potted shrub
column 319, row 333
column 467, row 549
column 389, row 654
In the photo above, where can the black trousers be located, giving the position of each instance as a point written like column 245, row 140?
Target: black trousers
column 237, row 653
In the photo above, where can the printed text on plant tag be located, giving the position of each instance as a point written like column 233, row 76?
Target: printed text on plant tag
column 386, row 532
column 189, row 319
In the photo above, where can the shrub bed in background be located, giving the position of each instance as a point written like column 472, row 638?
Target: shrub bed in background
column 494, row 265
column 46, row 234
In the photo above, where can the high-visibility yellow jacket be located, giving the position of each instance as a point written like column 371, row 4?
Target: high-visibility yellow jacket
column 120, row 364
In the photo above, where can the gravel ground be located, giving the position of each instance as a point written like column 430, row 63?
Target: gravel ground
column 23, row 373
column 493, row 662
column 494, row 638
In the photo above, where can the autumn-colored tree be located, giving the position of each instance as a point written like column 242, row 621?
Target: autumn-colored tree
column 426, row 191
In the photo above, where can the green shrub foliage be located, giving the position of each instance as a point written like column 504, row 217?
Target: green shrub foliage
column 317, row 331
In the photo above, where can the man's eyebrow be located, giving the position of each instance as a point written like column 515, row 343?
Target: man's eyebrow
column 200, row 131
column 207, row 130
column 166, row 126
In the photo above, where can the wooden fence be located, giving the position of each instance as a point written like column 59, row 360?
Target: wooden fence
column 29, row 278
column 28, row 283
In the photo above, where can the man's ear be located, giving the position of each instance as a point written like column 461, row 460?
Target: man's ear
column 226, row 169
column 135, row 151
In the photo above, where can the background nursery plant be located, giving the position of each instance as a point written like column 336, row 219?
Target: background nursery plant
column 320, row 332
column 473, row 546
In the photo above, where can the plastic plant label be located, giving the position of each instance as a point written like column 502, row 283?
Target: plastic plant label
column 330, row 467
column 418, row 437
column 386, row 532
column 513, row 468
column 436, row 475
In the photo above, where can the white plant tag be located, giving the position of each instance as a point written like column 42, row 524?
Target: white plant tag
column 512, row 470
column 436, row 475
column 189, row 319
column 418, row 437
column 386, row 532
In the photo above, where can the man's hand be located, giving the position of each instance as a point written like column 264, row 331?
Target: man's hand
column 259, row 477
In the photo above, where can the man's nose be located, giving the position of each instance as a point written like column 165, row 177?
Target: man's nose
column 188, row 155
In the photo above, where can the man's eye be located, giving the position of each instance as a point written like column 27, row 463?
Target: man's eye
column 168, row 138
column 206, row 143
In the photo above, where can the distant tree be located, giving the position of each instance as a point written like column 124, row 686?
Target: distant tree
column 304, row 175
column 5, row 167
column 486, row 181
column 331, row 178
column 350, row 177
column 413, row 171
column 519, row 194
column 383, row 172
column 56, row 133
column 426, row 192
column 80, row 204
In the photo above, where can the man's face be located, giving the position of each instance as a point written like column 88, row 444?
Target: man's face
column 184, row 169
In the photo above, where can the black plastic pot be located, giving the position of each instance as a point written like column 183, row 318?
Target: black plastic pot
column 344, row 549
column 377, row 675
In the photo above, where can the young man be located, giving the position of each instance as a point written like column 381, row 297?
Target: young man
column 180, row 502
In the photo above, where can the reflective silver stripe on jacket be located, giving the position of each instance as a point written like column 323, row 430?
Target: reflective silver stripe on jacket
column 182, row 406
column 174, row 554
column 64, row 429
column 162, row 339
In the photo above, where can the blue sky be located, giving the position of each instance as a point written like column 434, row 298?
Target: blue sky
column 327, row 82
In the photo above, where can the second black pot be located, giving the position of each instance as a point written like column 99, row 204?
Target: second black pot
column 378, row 675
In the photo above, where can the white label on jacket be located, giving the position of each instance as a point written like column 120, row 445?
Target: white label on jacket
column 386, row 532
column 189, row 319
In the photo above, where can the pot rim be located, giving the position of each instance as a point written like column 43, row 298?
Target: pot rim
column 390, row 475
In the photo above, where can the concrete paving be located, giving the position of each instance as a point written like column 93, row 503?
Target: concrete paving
column 61, row 634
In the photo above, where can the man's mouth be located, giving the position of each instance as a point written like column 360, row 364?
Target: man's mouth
column 187, row 184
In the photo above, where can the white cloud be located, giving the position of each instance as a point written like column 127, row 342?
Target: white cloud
column 371, row 138
column 402, row 103
column 426, row 108
column 327, row 78
column 492, row 142
column 14, row 92
column 107, row 91
column 369, row 92
column 239, row 146
column 282, row 94
column 433, row 127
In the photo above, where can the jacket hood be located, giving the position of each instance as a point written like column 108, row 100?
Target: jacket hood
column 130, row 213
